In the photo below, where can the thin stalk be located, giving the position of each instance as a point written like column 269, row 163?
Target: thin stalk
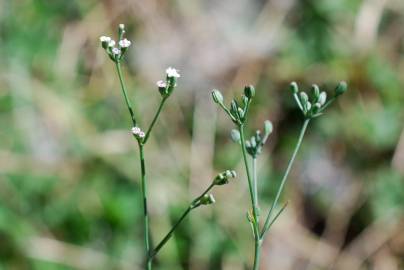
column 285, row 176
column 179, row 221
column 170, row 233
column 257, row 255
column 145, row 211
column 249, row 178
column 255, row 184
column 155, row 119
column 124, row 92
column 254, row 201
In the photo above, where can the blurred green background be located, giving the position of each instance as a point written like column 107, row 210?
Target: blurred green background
column 69, row 173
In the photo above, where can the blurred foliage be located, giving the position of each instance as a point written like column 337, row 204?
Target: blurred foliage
column 69, row 187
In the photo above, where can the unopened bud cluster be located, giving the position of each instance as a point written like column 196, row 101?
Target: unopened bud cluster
column 224, row 177
column 314, row 105
column 206, row 199
column 237, row 111
column 116, row 50
column 167, row 87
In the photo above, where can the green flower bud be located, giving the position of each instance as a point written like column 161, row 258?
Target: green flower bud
column 249, row 91
column 308, row 105
column 240, row 112
column 234, row 108
column 316, row 107
column 217, row 96
column 294, row 88
column 341, row 88
column 223, row 178
column 207, row 199
column 322, row 98
column 268, row 127
column 304, row 98
column 235, row 135
column 316, row 91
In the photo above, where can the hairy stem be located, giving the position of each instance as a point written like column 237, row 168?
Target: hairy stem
column 285, row 176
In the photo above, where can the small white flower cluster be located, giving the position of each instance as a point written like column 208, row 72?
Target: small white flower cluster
column 138, row 133
column 108, row 44
column 172, row 73
column 165, row 87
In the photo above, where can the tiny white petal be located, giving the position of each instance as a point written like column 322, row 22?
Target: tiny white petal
column 172, row 72
column 124, row 43
column 122, row 26
column 116, row 51
column 105, row 39
column 161, row 84
column 136, row 130
column 141, row 134
column 111, row 43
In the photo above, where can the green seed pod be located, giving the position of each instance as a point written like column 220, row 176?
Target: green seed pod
column 294, row 88
column 268, row 127
column 235, row 135
column 341, row 88
column 249, row 91
column 217, row 96
column 316, row 91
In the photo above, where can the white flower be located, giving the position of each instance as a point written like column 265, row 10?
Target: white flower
column 141, row 134
column 124, row 43
column 116, row 51
column 105, row 39
column 172, row 73
column 121, row 26
column 136, row 130
column 111, row 43
column 161, row 84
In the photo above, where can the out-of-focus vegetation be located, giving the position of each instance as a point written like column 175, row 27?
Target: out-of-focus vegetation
column 69, row 186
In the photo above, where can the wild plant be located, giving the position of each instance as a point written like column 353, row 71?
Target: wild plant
column 311, row 108
column 116, row 52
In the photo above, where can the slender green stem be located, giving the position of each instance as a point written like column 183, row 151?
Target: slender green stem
column 145, row 211
column 255, row 184
column 257, row 254
column 154, row 119
column 124, row 92
column 170, row 233
column 285, row 176
column 179, row 221
column 254, row 200
column 227, row 111
column 277, row 215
